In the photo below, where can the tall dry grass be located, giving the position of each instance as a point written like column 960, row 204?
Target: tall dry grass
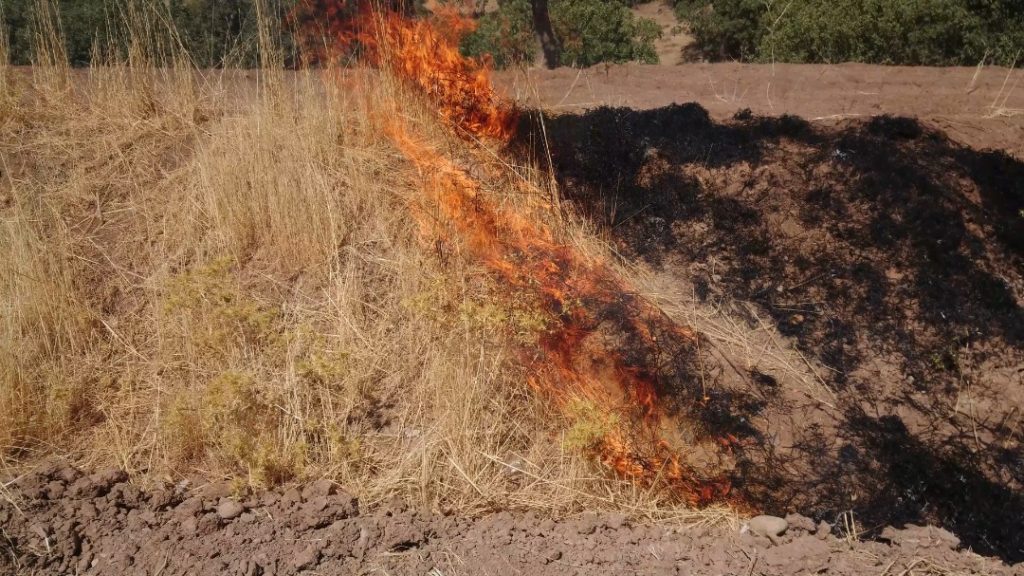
column 219, row 273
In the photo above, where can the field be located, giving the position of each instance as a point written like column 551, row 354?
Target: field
column 388, row 319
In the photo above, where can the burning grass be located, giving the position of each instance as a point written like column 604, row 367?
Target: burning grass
column 595, row 319
column 299, row 283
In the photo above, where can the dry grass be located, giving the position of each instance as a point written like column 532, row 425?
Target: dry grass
column 221, row 274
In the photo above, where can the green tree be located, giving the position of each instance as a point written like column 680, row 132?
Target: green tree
column 218, row 32
column 726, row 30
column 587, row 31
column 215, row 32
column 911, row 32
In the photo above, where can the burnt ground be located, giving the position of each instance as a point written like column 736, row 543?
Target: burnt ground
column 66, row 522
column 887, row 254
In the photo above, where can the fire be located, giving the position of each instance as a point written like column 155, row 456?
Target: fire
column 583, row 298
column 419, row 52
column 604, row 344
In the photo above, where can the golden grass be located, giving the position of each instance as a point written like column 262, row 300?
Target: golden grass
column 219, row 273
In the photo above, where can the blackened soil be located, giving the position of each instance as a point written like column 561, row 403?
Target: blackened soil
column 887, row 254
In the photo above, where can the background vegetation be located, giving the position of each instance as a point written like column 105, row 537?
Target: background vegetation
column 222, row 33
column 590, row 31
column 214, row 32
column 911, row 32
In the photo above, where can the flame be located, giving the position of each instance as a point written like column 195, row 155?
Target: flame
column 604, row 343
column 423, row 53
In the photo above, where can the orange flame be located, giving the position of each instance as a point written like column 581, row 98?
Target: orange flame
column 596, row 319
column 419, row 52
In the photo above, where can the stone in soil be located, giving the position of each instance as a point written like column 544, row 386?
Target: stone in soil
column 770, row 526
column 229, row 509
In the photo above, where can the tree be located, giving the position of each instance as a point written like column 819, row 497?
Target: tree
column 569, row 32
column 546, row 34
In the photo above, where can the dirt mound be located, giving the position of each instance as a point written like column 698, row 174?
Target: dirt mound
column 885, row 255
column 61, row 521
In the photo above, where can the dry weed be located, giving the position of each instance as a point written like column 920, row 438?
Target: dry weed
column 220, row 273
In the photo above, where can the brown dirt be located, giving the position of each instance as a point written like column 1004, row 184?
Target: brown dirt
column 881, row 252
column 68, row 523
column 980, row 108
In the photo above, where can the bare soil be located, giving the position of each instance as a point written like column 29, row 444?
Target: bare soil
column 70, row 523
column 979, row 107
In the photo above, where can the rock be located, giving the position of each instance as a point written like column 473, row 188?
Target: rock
column 587, row 523
column 88, row 511
column 315, row 505
column 41, row 530
column 68, row 475
column 216, row 490
column 229, row 509
column 318, row 489
column 308, row 558
column 913, row 537
column 189, row 507
column 84, row 563
column 102, row 482
column 770, row 526
column 799, row 522
column 270, row 498
column 161, row 499
column 824, row 529
column 750, row 539
column 190, row 525
column 291, row 497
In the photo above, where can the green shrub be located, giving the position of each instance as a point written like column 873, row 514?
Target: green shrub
column 506, row 35
column 82, row 22
column 724, row 30
column 591, row 31
column 215, row 32
column 594, row 31
column 911, row 32
column 926, row 32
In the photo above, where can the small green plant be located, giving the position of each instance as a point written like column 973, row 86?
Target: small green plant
column 237, row 416
column 217, row 314
column 236, row 420
column 589, row 425
column 520, row 320
column 603, row 31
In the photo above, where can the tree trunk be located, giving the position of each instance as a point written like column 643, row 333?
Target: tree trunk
column 546, row 34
